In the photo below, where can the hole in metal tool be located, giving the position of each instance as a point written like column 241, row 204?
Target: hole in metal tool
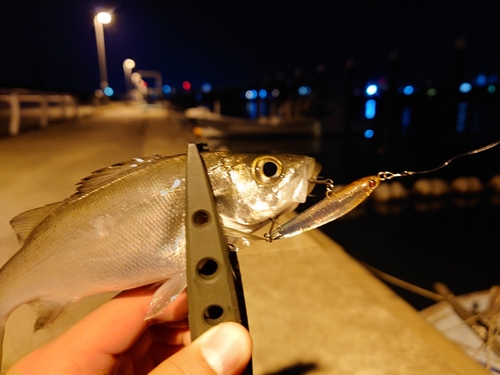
column 201, row 218
column 207, row 268
column 214, row 314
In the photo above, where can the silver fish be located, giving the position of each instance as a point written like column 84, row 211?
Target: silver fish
column 124, row 228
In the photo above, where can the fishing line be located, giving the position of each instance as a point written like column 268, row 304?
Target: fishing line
column 389, row 175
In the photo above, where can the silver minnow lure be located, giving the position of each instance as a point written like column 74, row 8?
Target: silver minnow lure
column 124, row 228
column 338, row 204
column 330, row 208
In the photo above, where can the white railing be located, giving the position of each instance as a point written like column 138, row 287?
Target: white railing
column 14, row 99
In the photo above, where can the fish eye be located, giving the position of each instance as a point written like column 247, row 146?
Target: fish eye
column 267, row 169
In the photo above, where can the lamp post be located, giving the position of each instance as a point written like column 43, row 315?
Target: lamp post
column 100, row 19
column 128, row 65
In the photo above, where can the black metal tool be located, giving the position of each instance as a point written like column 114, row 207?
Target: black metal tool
column 215, row 292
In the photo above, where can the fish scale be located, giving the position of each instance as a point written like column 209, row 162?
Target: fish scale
column 124, row 228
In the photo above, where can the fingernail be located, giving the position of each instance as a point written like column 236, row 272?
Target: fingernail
column 223, row 348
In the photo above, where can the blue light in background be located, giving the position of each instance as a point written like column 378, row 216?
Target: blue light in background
column 368, row 133
column 166, row 89
column 371, row 90
column 108, row 91
column 262, row 93
column 480, row 80
column 304, row 90
column 405, row 120
column 408, row 90
column 252, row 109
column 465, row 87
column 370, row 109
column 206, row 87
column 198, row 96
column 491, row 89
column 461, row 117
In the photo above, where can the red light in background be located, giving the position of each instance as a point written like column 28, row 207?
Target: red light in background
column 186, row 85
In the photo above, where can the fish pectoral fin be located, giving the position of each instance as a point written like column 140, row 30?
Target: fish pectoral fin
column 47, row 310
column 166, row 294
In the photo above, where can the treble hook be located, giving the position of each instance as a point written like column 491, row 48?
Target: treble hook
column 323, row 181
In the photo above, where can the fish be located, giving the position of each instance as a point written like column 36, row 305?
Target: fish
column 124, row 228
column 333, row 206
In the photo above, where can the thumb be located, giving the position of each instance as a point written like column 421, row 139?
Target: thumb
column 223, row 350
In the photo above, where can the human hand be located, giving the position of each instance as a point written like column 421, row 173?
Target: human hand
column 115, row 339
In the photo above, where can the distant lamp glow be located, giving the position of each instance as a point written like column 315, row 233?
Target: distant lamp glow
column 206, row 87
column 275, row 93
column 408, row 90
column 480, row 80
column 368, row 133
column 108, row 91
column 371, row 90
column 251, row 94
column 186, row 85
column 129, row 64
column 465, row 87
column 166, row 89
column 103, row 17
column 135, row 77
column 370, row 109
column 431, row 92
column 100, row 19
column 262, row 93
column 491, row 89
column 304, row 90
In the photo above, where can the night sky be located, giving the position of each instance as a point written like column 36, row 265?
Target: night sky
column 51, row 44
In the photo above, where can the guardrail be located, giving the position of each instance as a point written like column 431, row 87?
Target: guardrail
column 14, row 99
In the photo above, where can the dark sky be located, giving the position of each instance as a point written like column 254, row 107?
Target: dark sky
column 52, row 44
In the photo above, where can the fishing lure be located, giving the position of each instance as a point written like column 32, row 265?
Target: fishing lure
column 337, row 204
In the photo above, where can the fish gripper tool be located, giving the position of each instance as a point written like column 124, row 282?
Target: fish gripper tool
column 215, row 291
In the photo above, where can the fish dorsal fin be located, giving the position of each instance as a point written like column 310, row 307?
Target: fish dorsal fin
column 23, row 224
column 103, row 176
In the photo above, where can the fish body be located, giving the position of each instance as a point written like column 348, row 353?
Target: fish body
column 330, row 208
column 124, row 228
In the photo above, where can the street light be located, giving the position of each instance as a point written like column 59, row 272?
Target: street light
column 128, row 65
column 101, row 19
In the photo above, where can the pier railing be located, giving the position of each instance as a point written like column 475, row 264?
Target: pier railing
column 40, row 105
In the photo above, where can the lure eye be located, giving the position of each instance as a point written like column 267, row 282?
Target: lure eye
column 372, row 183
column 267, row 169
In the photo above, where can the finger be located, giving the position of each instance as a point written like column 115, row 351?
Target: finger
column 223, row 350
column 171, row 336
column 183, row 323
column 112, row 329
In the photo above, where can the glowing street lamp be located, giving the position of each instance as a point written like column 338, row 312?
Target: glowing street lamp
column 101, row 19
column 128, row 65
